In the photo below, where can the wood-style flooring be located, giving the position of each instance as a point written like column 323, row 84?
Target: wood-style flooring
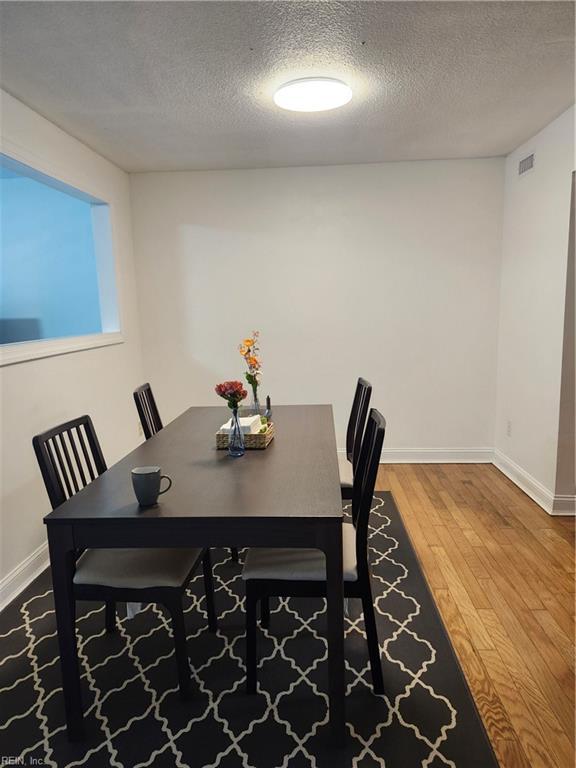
column 502, row 573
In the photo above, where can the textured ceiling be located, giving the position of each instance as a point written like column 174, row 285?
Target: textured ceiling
column 188, row 85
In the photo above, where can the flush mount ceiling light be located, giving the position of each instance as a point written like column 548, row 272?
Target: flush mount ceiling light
column 313, row 94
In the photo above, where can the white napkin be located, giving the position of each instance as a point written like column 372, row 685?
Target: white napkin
column 249, row 425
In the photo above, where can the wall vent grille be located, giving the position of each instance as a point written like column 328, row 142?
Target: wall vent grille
column 526, row 164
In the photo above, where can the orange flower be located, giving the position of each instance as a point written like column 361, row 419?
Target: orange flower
column 249, row 350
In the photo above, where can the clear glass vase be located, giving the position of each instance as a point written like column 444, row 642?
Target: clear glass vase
column 255, row 402
column 235, row 438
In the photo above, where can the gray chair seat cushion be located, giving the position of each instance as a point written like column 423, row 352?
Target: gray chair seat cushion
column 135, row 568
column 300, row 564
column 346, row 474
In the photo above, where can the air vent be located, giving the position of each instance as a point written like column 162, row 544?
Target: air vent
column 526, row 164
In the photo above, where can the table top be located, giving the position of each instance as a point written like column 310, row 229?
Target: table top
column 295, row 477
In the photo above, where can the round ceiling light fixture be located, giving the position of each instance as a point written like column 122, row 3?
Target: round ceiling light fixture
column 313, row 94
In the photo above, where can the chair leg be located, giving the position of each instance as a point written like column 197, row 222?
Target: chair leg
column 209, row 591
column 179, row 632
column 372, row 639
column 265, row 611
column 251, row 662
column 346, row 493
column 234, row 554
column 110, row 616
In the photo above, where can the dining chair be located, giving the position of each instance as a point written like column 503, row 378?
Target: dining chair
column 354, row 432
column 152, row 423
column 70, row 458
column 302, row 572
column 147, row 410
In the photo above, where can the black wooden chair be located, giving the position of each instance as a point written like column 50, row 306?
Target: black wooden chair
column 152, row 423
column 356, row 424
column 147, row 410
column 70, row 458
column 302, row 572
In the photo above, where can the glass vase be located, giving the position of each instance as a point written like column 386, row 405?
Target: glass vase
column 235, row 438
column 255, row 402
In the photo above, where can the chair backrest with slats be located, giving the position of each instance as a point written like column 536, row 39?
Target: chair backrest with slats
column 357, row 420
column 365, row 481
column 70, row 457
column 147, row 410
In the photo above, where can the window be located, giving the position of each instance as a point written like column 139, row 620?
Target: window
column 56, row 264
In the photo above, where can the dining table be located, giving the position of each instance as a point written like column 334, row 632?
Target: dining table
column 287, row 495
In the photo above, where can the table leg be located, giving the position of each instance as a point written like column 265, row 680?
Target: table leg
column 332, row 548
column 61, row 548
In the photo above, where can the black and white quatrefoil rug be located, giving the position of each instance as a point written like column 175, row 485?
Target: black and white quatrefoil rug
column 135, row 718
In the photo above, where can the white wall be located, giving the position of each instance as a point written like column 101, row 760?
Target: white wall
column 41, row 393
column 533, row 293
column 390, row 271
column 565, row 492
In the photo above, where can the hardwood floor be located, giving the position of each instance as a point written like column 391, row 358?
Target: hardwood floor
column 502, row 573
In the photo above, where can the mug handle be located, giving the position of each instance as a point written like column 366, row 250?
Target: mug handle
column 165, row 477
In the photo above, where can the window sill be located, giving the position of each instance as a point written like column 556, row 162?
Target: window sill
column 21, row 352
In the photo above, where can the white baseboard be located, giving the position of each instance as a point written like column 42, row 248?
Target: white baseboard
column 437, row 456
column 564, row 504
column 554, row 505
column 19, row 578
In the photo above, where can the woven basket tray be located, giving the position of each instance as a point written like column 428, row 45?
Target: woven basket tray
column 253, row 442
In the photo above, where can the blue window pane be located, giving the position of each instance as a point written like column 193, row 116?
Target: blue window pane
column 49, row 267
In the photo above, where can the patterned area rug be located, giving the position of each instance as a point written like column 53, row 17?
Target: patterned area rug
column 135, row 717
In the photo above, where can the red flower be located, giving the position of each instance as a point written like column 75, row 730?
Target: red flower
column 232, row 391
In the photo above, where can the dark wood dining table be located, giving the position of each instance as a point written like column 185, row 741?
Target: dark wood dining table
column 285, row 496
